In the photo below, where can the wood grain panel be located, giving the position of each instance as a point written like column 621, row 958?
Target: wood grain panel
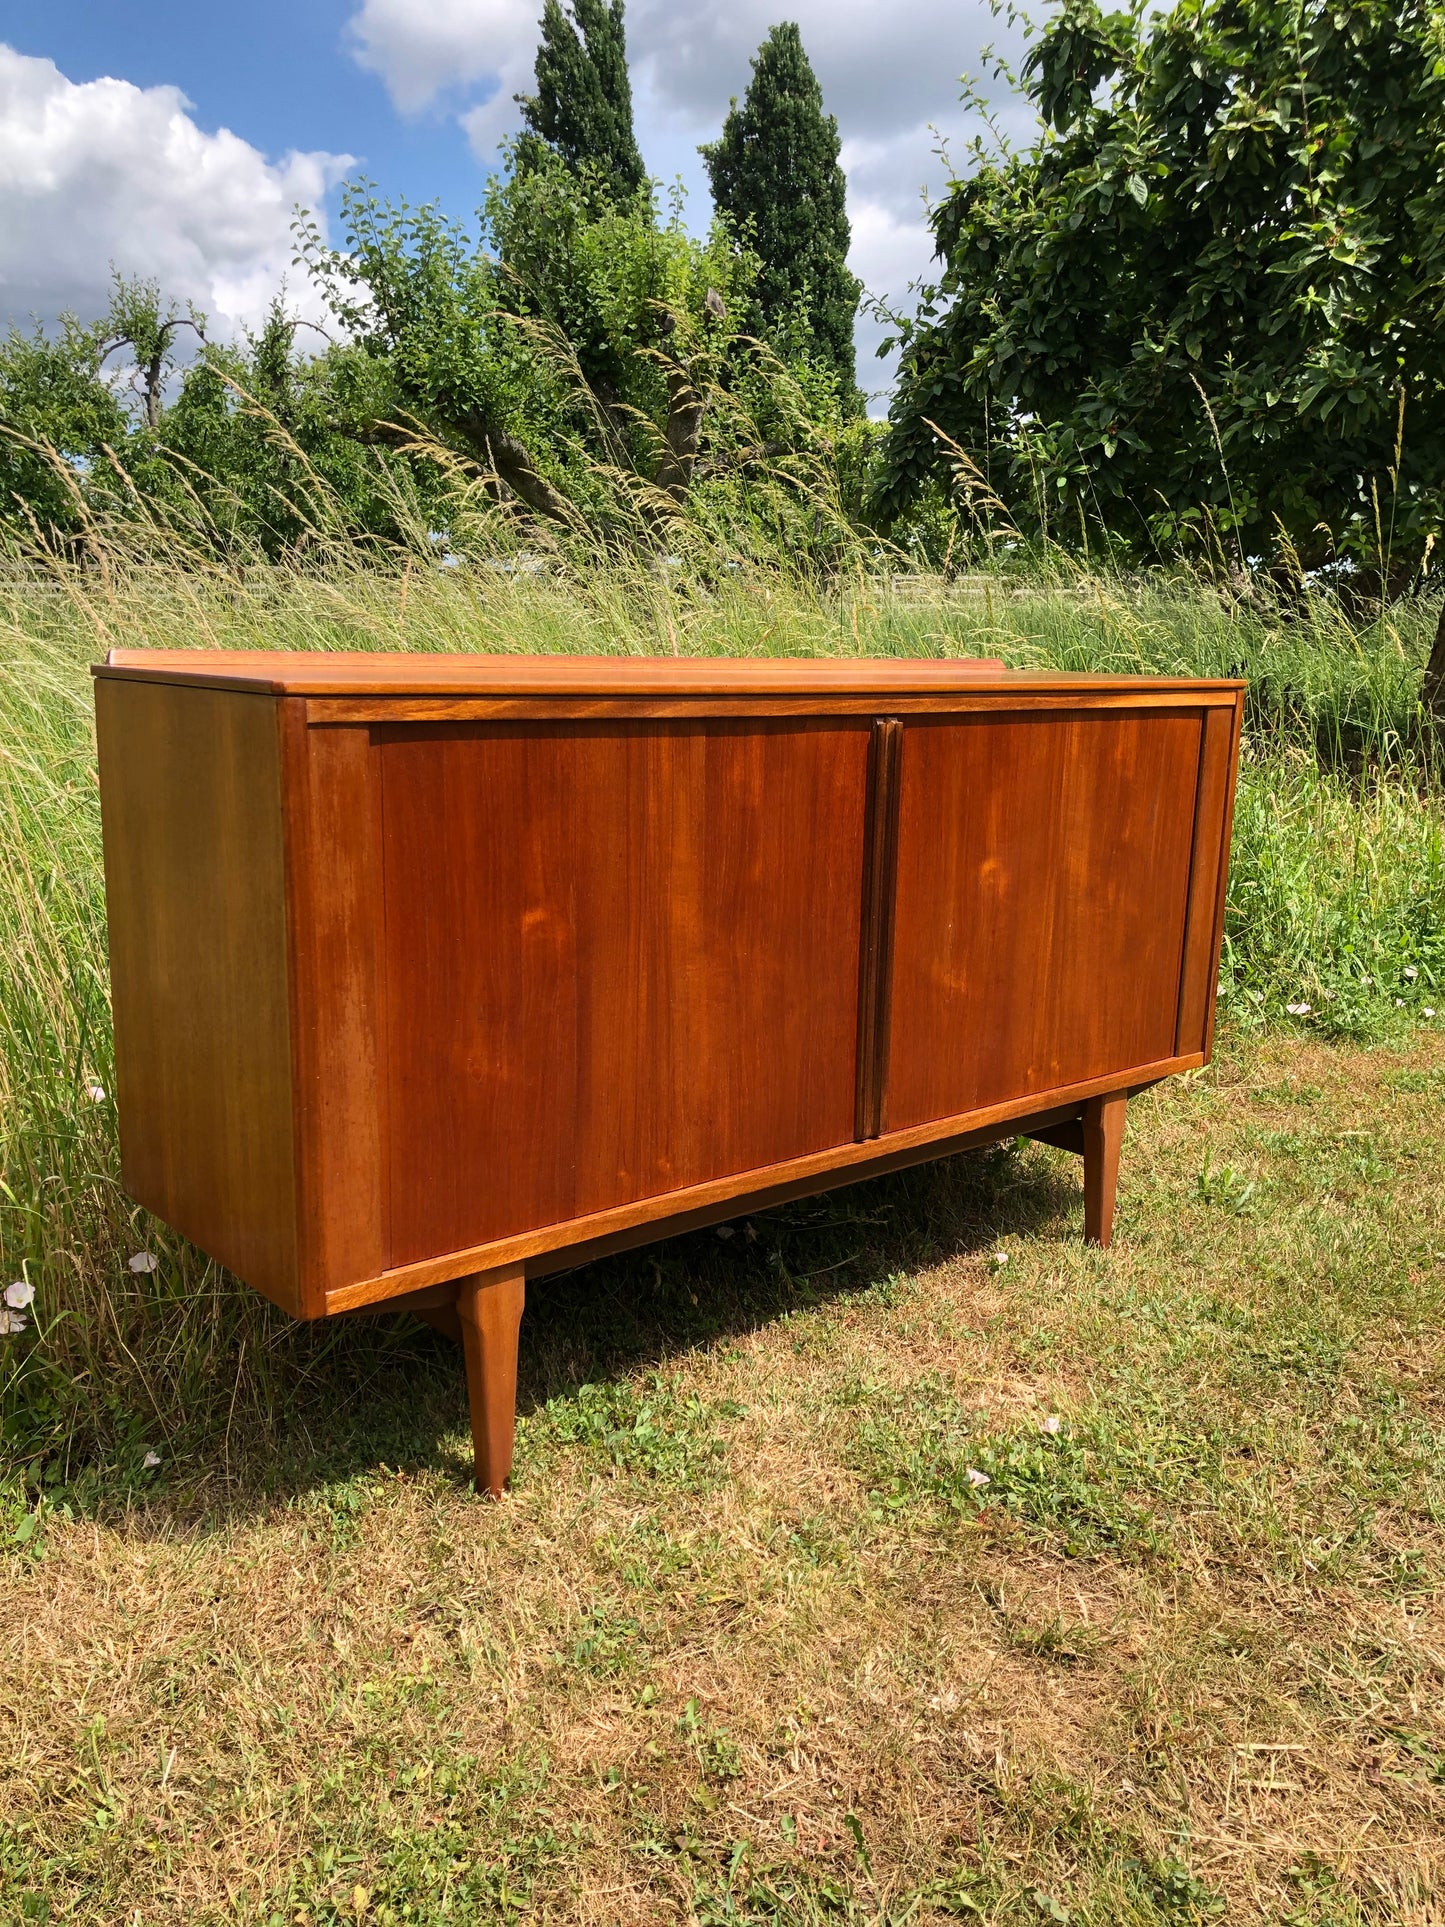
column 1199, row 976
column 1043, row 869
column 195, row 889
column 621, row 960
column 401, row 674
column 333, row 794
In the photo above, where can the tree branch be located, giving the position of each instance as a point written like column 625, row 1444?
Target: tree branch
column 502, row 453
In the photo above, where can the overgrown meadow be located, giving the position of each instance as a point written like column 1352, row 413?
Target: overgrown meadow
column 781, row 1494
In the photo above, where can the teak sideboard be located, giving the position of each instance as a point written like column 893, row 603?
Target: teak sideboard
column 434, row 974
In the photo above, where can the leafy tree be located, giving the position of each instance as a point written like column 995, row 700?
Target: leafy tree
column 1207, row 301
column 584, row 358
column 247, row 442
column 582, row 108
column 566, row 339
column 775, row 177
column 267, row 440
column 138, row 319
column 58, row 415
column 65, row 426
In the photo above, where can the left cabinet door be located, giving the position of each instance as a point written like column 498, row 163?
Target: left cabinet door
column 621, row 958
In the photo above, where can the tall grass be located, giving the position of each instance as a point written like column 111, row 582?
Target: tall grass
column 1336, row 902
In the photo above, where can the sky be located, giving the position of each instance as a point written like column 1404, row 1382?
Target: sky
column 175, row 140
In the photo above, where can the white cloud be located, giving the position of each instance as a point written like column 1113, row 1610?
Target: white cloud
column 106, row 172
column 881, row 68
column 445, row 49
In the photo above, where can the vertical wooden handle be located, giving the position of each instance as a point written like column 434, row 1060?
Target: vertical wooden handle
column 875, row 963
column 489, row 1306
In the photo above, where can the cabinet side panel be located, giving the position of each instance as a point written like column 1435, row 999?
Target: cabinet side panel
column 621, row 959
column 334, row 799
column 1200, row 974
column 195, row 895
column 1221, row 888
column 1043, row 870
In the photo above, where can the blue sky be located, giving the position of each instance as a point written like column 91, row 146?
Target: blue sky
column 174, row 140
column 226, row 61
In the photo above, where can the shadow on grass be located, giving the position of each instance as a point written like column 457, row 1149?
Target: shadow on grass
column 385, row 1390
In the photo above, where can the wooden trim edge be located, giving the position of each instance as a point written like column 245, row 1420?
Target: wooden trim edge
column 329, row 711
column 292, row 765
column 1231, row 786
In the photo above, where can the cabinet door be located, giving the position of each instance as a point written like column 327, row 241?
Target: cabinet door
column 620, row 959
column 1043, row 873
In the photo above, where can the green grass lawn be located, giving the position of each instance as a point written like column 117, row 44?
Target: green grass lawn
column 750, row 1640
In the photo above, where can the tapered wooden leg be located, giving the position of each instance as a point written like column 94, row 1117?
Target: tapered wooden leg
column 1103, row 1137
column 489, row 1306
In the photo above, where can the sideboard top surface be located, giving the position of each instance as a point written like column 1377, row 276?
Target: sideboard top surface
column 279, row 673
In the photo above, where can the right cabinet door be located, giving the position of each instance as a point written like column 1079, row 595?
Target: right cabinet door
column 1042, row 885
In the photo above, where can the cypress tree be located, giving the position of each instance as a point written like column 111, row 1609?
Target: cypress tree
column 775, row 174
column 583, row 103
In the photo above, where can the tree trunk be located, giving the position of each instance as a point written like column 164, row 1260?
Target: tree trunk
column 514, row 465
column 684, row 432
column 153, row 387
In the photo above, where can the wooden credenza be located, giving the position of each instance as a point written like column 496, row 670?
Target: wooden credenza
column 433, row 974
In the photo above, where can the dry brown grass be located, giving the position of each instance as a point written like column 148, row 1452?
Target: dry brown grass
column 760, row 1656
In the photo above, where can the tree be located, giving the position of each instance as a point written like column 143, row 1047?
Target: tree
column 1205, row 304
column 582, row 108
column 140, row 321
column 775, row 177
column 581, row 340
column 58, row 416
column 64, row 424
column 270, row 443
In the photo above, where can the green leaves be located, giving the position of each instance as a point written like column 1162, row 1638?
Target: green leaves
column 583, row 105
column 1228, row 243
column 777, row 182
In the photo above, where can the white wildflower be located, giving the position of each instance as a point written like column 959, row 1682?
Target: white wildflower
column 977, row 1478
column 151, row 1461
column 1053, row 1425
column 143, row 1261
column 96, row 1093
column 1298, row 1010
column 1399, row 1003
column 999, row 1260
column 19, row 1295
column 11, row 1322
column 1428, row 1011
column 1411, row 972
column 727, row 1231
